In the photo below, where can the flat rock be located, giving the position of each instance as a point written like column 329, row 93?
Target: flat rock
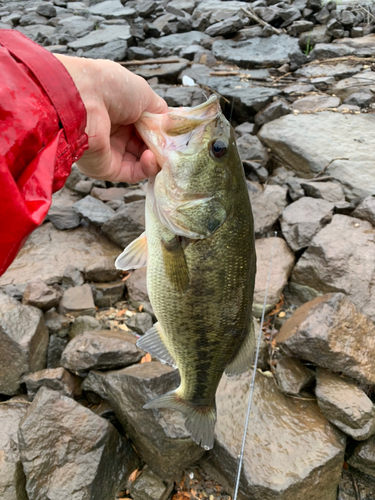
column 165, row 72
column 291, row 450
column 127, row 223
column 329, row 51
column 218, row 10
column 83, row 324
column 364, row 81
column 314, row 103
column 330, row 332
column 267, row 207
column 303, row 219
column 63, row 217
column 292, row 376
column 140, row 322
column 329, row 191
column 56, row 323
column 250, row 148
column 112, row 9
column 172, row 44
column 149, row 486
column 257, row 52
column 48, row 252
column 350, row 137
column 345, row 405
column 12, row 477
column 101, row 270
column 75, row 25
column 363, row 457
column 114, row 51
column 225, row 27
column 184, row 96
column 23, row 343
column 272, row 111
column 337, row 70
column 78, row 301
column 102, row 36
column 366, row 210
column 321, row 269
column 69, row 452
column 93, row 210
column 107, row 294
column 283, row 259
column 100, row 350
column 40, row 295
column 113, row 193
column 57, row 379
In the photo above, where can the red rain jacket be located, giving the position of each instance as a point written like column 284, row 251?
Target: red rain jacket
column 42, row 132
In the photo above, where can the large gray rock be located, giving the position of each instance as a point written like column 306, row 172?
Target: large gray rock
column 363, row 457
column 350, row 137
column 102, row 36
column 12, row 477
column 68, row 452
column 57, row 379
column 149, row 486
column 112, row 9
column 292, row 376
column 23, row 343
column 283, row 262
column 366, row 210
column 173, row 44
column 330, row 332
column 291, row 450
column 218, row 10
column 339, row 259
column 312, row 103
column 159, row 436
column 364, row 81
column 101, row 350
column 38, row 294
column 93, row 210
column 127, row 223
column 301, row 220
column 48, row 252
column 78, row 301
column 339, row 70
column 345, row 405
column 75, row 25
column 267, row 207
column 329, row 191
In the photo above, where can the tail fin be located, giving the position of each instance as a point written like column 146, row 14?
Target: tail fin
column 200, row 422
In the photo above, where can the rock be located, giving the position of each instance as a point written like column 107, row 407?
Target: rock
column 46, row 10
column 107, row 294
column 345, row 405
column 363, row 457
column 159, row 436
column 300, row 26
column 72, row 277
column 57, row 379
column 23, row 343
column 84, row 187
column 244, row 128
column 100, row 350
column 256, row 52
column 78, row 301
column 83, row 324
column 56, row 323
column 93, row 210
column 349, row 138
column 366, row 210
column 12, row 477
column 250, row 148
column 63, row 217
column 298, row 89
column 137, row 288
column 127, row 223
column 328, row 51
column 38, row 294
column 166, row 72
column 15, row 291
column 323, row 83
column 112, row 9
column 69, row 452
column 352, row 482
column 303, row 219
column 94, row 382
column 329, row 191
column 114, row 51
column 321, row 268
column 330, row 332
column 102, row 36
column 225, row 27
column 184, row 96
column 274, row 110
column 317, row 35
column 292, row 376
column 139, row 54
column 48, row 251
column 361, row 82
column 140, row 322
column 101, row 270
column 266, row 210
column 75, row 26
column 305, row 458
column 173, row 44
column 283, row 261
column 145, row 9
column 361, row 99
column 113, row 193
column 337, row 70
column 56, row 347
column 149, row 486
column 314, row 103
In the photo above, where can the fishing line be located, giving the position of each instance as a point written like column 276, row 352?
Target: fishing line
column 254, row 373
column 231, row 112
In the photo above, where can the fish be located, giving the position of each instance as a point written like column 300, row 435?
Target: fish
column 199, row 250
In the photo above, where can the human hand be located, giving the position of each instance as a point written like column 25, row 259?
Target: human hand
column 114, row 99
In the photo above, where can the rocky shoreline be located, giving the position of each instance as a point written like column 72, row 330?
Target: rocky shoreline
column 297, row 80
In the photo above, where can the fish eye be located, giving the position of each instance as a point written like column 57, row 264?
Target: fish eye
column 218, row 148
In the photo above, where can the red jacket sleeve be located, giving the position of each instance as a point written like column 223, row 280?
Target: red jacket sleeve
column 42, row 132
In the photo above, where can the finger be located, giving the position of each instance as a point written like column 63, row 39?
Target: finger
column 133, row 170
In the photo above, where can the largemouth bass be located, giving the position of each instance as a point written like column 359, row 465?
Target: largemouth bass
column 200, row 255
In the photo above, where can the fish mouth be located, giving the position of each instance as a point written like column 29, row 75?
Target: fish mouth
column 179, row 129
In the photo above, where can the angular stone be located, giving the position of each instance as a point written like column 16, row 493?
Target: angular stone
column 140, row 322
column 102, row 36
column 330, row 332
column 353, row 482
column 303, row 219
column 321, row 268
column 250, row 148
column 292, row 376
column 107, row 294
column 57, row 379
column 266, row 210
column 75, row 25
column 127, row 223
column 78, row 301
column 23, row 343
column 56, row 323
column 137, row 288
column 329, row 191
column 225, row 27
column 72, row 277
column 48, row 251
column 274, row 110
column 281, row 271
column 165, row 72
column 159, row 436
column 139, row 54
column 345, row 405
column 257, row 52
column 361, row 99
column 94, row 382
column 63, row 217
column 329, row 51
column 173, row 44
column 114, row 51
column 361, row 82
column 84, row 324
column 149, row 486
column 101, row 270
column 113, row 193
column 363, row 457
column 366, row 210
column 184, row 96
column 93, row 210
column 38, row 294
column 314, row 103
column 12, row 477
column 112, row 9
column 56, row 347
column 305, row 458
column 69, row 452
column 100, row 350
column 217, row 11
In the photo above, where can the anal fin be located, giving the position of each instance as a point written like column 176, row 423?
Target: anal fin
column 152, row 342
column 244, row 358
column 134, row 256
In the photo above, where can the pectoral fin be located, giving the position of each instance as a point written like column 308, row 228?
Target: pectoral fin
column 175, row 264
column 134, row 256
column 244, row 358
column 152, row 342
column 202, row 216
